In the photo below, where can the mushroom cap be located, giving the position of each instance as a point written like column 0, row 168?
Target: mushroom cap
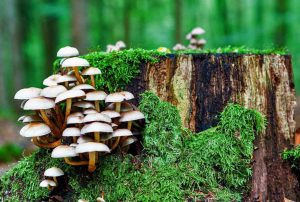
column 53, row 172
column 92, row 147
column 131, row 116
column 76, row 114
column 110, row 48
column 188, row 36
column 67, row 51
column 115, row 97
column 73, row 145
column 201, row 42
column 125, row 107
column 127, row 95
column 193, row 41
column 121, row 133
column 71, row 132
column 178, row 47
column 100, row 199
column 74, row 119
column 63, row 151
column 27, row 93
column 75, row 62
column 35, row 130
column 23, row 103
column 32, row 118
column 39, row 103
column 197, row 31
column 84, row 139
column 90, row 111
column 46, row 183
column 84, row 104
column 96, row 95
column 91, row 71
column 21, row 118
column 53, row 91
column 129, row 141
column 66, row 78
column 83, row 87
column 96, row 127
column 96, row 117
column 112, row 114
column 69, row 95
column 51, row 80
column 120, row 44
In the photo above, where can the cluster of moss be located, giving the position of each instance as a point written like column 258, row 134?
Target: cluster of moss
column 118, row 67
column 293, row 155
column 176, row 164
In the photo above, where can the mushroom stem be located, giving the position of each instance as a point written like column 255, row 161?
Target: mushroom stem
column 93, row 80
column 74, row 139
column 60, row 116
column 46, row 146
column 97, row 136
column 97, row 105
column 118, row 106
column 75, row 163
column 77, row 75
column 129, row 125
column 55, row 180
column 49, row 187
column 92, row 162
column 115, row 144
column 68, row 108
column 66, row 85
column 45, row 118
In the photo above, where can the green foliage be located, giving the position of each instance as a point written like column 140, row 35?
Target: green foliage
column 10, row 152
column 292, row 155
column 118, row 68
column 177, row 165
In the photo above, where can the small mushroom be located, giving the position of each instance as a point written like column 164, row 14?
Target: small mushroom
column 84, row 105
column 89, row 111
column 27, row 93
column 54, row 172
column 120, row 133
column 71, row 132
column 97, row 128
column 96, row 96
column 76, row 62
column 50, row 184
column 84, row 87
column 117, row 98
column 92, row 148
column 179, row 47
column 51, row 80
column 120, row 45
column 31, row 118
column 127, row 142
column 112, row 114
column 66, row 152
column 91, row 71
column 66, row 79
column 130, row 117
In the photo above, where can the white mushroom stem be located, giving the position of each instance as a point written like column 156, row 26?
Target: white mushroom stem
column 77, row 75
column 118, row 106
column 76, row 163
column 46, row 146
column 93, row 80
column 92, row 162
column 97, row 105
column 45, row 118
column 97, row 136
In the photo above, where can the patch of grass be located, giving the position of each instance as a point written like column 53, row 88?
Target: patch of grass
column 176, row 165
column 118, row 67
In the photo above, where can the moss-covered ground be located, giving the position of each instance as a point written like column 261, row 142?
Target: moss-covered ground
column 175, row 164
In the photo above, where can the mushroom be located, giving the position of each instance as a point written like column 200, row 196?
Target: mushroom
column 96, row 96
column 50, row 184
column 120, row 45
column 36, row 130
column 68, row 96
column 179, row 47
column 74, row 120
column 27, row 93
column 125, row 107
column 120, row 133
column 91, row 71
column 76, row 62
column 71, row 132
column 130, row 117
column 197, row 31
column 84, row 105
column 112, row 114
column 51, row 80
column 116, row 98
column 84, row 139
column 66, row 79
column 31, row 118
column 64, row 151
column 96, row 128
column 96, row 117
column 84, row 87
column 67, row 51
column 127, row 142
column 92, row 148
column 89, row 111
column 54, row 172
column 111, row 48
column 41, row 104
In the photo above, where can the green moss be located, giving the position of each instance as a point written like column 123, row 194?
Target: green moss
column 292, row 155
column 118, row 68
column 10, row 152
column 176, row 165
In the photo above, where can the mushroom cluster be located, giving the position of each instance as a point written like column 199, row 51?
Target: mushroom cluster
column 194, row 37
column 51, row 174
column 119, row 46
column 79, row 122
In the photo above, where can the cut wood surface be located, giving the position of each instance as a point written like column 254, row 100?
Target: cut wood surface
column 201, row 85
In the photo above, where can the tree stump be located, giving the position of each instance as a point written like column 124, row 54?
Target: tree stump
column 201, row 85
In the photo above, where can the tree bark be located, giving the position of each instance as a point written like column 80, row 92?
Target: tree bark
column 201, row 85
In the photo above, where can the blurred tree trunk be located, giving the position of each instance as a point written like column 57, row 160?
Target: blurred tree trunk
column 80, row 25
column 222, row 10
column 50, row 37
column 281, row 29
column 126, row 21
column 177, row 17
